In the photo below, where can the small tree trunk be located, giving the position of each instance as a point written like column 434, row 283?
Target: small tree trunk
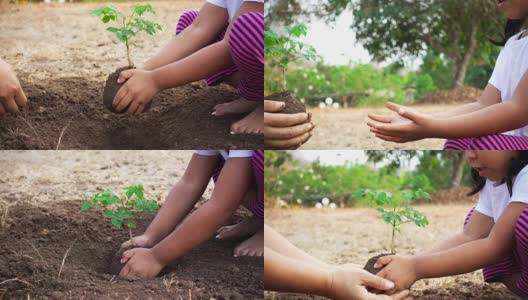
column 284, row 82
column 462, row 65
column 392, row 240
column 131, row 237
column 130, row 64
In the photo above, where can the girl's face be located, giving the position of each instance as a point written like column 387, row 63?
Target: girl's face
column 493, row 165
column 514, row 9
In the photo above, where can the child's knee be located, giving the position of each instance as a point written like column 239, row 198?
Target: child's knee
column 186, row 19
column 247, row 34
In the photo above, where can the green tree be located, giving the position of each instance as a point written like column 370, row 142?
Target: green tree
column 456, row 29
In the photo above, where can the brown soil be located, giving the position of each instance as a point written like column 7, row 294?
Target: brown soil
column 115, row 265
column 369, row 266
column 111, row 88
column 457, row 95
column 353, row 235
column 35, row 240
column 180, row 118
column 293, row 105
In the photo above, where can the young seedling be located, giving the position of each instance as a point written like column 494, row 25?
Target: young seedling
column 396, row 211
column 285, row 49
column 130, row 25
column 121, row 210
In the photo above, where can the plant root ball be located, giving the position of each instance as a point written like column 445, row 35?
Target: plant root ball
column 369, row 266
column 112, row 87
column 293, row 105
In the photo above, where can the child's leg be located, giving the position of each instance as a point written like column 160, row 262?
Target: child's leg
column 254, row 225
column 186, row 19
column 489, row 142
column 246, row 42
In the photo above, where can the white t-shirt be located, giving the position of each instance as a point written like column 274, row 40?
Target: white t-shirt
column 232, row 6
column 493, row 200
column 226, row 154
column 511, row 65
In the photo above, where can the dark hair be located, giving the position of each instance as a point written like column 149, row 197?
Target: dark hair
column 513, row 26
column 517, row 164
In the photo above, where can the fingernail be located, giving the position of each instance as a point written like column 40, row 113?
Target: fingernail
column 213, row 113
column 389, row 284
column 217, row 237
column 282, row 105
column 377, row 266
column 401, row 111
column 231, row 132
column 119, row 80
column 234, row 255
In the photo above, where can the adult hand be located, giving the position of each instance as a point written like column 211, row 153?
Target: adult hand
column 285, row 131
column 410, row 125
column 12, row 96
column 351, row 282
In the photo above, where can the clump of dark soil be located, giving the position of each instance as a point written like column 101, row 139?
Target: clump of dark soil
column 35, row 239
column 369, row 266
column 115, row 265
column 293, row 105
column 111, row 88
column 179, row 118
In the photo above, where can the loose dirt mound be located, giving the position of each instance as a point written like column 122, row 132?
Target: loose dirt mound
column 179, row 118
column 453, row 196
column 35, row 240
column 463, row 94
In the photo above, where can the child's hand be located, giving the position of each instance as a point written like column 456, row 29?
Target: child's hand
column 12, row 96
column 142, row 241
column 417, row 127
column 400, row 270
column 140, row 263
column 351, row 282
column 137, row 92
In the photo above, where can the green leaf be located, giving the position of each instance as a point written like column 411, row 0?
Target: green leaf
column 113, row 29
column 86, row 205
column 359, row 193
column 109, row 214
column 117, row 223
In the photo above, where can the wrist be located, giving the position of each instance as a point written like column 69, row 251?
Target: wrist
column 156, row 79
column 436, row 127
column 158, row 255
column 326, row 289
column 415, row 262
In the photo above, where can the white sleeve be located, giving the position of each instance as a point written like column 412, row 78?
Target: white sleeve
column 498, row 71
column 207, row 152
column 221, row 3
column 240, row 153
column 520, row 187
column 484, row 202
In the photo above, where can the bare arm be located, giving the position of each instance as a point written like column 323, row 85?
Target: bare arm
column 203, row 63
column 206, row 27
column 473, row 255
column 478, row 227
column 231, row 187
column 490, row 96
column 492, row 119
column 182, row 197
